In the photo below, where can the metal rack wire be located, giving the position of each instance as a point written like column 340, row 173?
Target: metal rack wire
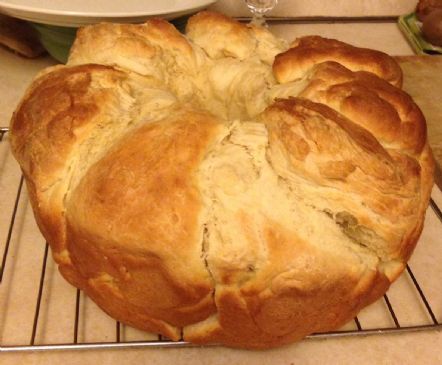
column 432, row 324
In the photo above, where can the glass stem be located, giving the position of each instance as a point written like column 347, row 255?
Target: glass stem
column 258, row 19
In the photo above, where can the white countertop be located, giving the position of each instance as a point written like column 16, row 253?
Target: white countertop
column 404, row 348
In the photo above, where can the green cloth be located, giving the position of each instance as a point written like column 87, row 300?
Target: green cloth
column 411, row 27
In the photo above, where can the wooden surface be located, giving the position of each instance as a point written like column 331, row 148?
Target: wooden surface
column 423, row 81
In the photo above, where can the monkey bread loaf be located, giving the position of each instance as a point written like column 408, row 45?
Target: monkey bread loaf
column 224, row 186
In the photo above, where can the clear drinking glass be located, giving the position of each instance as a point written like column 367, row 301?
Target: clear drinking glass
column 258, row 8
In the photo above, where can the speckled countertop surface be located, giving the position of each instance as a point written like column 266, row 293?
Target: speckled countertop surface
column 27, row 246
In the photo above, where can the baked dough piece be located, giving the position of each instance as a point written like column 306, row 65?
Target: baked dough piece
column 308, row 51
column 200, row 190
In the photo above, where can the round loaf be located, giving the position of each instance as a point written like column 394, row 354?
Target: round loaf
column 426, row 7
column 432, row 28
column 224, row 186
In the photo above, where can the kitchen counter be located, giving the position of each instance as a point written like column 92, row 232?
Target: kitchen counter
column 405, row 348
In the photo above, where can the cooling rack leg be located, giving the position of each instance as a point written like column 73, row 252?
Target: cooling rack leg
column 358, row 324
column 436, row 209
column 117, row 330
column 40, row 293
column 77, row 316
column 11, row 226
column 422, row 295
column 390, row 309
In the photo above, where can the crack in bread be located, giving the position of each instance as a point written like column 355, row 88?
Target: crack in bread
column 242, row 259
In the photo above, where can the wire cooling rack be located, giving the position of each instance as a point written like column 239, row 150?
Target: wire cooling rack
column 428, row 319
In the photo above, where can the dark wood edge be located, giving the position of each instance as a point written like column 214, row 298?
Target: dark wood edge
column 438, row 176
column 325, row 19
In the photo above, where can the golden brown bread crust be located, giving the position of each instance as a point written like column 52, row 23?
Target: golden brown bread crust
column 56, row 115
column 369, row 101
column 350, row 161
column 311, row 50
column 269, row 311
column 178, row 218
column 51, row 133
column 151, row 238
column 143, row 43
column 389, row 114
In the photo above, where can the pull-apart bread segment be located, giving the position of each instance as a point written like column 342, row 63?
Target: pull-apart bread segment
column 308, row 51
column 221, row 186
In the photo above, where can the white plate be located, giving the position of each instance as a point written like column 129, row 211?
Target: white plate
column 76, row 13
